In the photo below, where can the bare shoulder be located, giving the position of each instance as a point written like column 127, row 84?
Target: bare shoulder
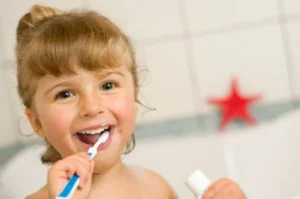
column 158, row 184
column 40, row 194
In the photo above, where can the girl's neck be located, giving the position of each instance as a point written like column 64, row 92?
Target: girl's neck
column 110, row 174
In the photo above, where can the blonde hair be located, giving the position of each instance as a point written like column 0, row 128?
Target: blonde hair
column 49, row 41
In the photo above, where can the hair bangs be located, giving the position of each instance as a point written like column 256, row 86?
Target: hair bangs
column 93, row 53
column 89, row 44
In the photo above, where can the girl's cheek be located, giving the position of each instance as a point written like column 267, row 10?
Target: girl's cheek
column 123, row 106
column 55, row 122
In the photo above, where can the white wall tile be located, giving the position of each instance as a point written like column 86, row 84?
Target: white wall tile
column 7, row 117
column 254, row 56
column 142, row 19
column 166, row 87
column 19, row 126
column 294, row 32
column 209, row 14
column 2, row 50
column 292, row 6
column 12, row 10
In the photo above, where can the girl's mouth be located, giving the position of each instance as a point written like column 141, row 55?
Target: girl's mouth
column 90, row 137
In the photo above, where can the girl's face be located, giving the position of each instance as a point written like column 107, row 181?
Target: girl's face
column 71, row 111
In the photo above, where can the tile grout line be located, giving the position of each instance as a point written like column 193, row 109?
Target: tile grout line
column 242, row 26
column 285, row 38
column 220, row 30
column 190, row 59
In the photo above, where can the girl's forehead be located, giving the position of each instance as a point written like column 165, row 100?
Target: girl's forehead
column 101, row 71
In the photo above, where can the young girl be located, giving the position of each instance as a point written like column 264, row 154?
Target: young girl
column 77, row 78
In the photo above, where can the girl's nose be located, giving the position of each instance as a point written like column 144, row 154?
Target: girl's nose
column 91, row 106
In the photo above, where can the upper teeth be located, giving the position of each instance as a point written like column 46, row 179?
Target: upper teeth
column 95, row 131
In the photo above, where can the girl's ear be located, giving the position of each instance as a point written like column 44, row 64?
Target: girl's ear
column 34, row 122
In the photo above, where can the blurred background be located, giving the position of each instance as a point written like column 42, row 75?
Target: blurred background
column 189, row 51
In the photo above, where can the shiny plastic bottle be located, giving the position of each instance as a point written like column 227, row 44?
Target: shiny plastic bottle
column 197, row 183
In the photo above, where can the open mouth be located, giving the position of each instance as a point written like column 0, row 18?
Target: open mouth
column 90, row 137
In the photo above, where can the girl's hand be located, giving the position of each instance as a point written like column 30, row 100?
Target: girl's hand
column 63, row 170
column 224, row 189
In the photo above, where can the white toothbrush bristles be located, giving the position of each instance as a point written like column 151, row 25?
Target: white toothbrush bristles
column 102, row 139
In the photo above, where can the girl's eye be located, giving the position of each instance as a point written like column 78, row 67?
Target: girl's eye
column 64, row 94
column 108, row 86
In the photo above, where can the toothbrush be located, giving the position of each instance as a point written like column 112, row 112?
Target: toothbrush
column 73, row 182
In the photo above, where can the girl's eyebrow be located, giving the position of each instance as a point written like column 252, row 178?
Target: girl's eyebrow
column 61, row 84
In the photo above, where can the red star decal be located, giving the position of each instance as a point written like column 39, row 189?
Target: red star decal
column 235, row 106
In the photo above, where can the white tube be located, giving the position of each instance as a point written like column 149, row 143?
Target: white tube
column 197, row 183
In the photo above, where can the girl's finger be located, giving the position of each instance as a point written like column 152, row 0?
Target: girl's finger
column 214, row 188
column 81, row 165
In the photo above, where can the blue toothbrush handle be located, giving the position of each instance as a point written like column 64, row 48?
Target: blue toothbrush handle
column 70, row 187
column 72, row 184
